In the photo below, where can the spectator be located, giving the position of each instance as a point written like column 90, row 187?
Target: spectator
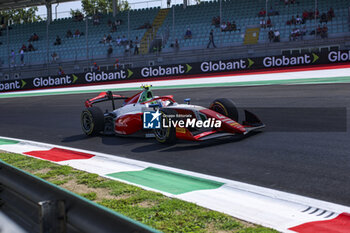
column 228, row 26
column 262, row 12
column 324, row 31
column 188, row 34
column 12, row 58
column 299, row 20
column 117, row 22
column 95, row 67
column 24, row 48
column 311, row 14
column 96, row 20
column 22, row 56
column 262, row 23
column 223, row 27
column 272, row 12
column 109, row 51
column 317, row 12
column 216, row 21
column 319, row 30
column 54, row 57
column 124, row 40
column 116, row 64
column 33, row 37
column 104, row 39
column 69, row 34
column 305, row 15
column 330, row 14
column 277, row 36
column 60, row 71
column 303, row 32
column 271, row 35
column 137, row 46
column 127, row 47
column 109, row 38
column 234, row 26
column 114, row 28
column 118, row 41
column 77, row 33
column 268, row 23
column 211, row 39
column 323, row 18
column 58, row 41
column 31, row 47
column 175, row 45
column 293, row 20
column 294, row 34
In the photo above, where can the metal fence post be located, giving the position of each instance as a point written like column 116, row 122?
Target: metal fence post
column 86, row 36
column 8, row 44
column 47, row 45
column 52, row 216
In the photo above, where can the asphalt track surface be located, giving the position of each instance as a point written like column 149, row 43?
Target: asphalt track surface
column 302, row 160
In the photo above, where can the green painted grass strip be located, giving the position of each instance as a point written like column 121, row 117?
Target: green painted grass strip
column 166, row 181
column 7, row 141
column 345, row 79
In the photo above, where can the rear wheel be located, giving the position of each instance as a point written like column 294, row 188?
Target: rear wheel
column 166, row 135
column 92, row 121
column 225, row 107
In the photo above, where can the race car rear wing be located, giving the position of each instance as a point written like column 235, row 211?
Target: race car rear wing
column 104, row 96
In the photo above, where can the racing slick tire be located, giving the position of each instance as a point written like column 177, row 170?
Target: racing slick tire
column 225, row 107
column 166, row 135
column 92, row 121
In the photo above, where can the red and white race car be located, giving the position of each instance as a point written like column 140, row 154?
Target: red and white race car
column 163, row 118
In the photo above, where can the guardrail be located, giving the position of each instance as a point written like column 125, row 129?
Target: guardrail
column 38, row 206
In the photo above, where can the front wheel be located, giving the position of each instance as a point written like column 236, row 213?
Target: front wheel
column 225, row 107
column 166, row 135
column 92, row 121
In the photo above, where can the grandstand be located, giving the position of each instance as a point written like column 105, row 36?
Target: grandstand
column 169, row 25
column 198, row 18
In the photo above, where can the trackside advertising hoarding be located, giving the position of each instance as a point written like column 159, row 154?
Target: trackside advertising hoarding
column 178, row 71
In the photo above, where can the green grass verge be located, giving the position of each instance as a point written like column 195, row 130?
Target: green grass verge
column 151, row 208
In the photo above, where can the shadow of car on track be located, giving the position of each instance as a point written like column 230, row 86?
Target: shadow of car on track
column 187, row 146
column 75, row 138
column 150, row 144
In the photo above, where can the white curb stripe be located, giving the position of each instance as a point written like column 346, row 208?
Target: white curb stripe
column 267, row 207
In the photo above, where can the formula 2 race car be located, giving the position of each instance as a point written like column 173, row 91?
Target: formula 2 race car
column 163, row 118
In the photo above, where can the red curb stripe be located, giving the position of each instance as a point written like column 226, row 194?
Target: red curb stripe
column 58, row 155
column 340, row 224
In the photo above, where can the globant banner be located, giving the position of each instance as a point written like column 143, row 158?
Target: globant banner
column 178, row 70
